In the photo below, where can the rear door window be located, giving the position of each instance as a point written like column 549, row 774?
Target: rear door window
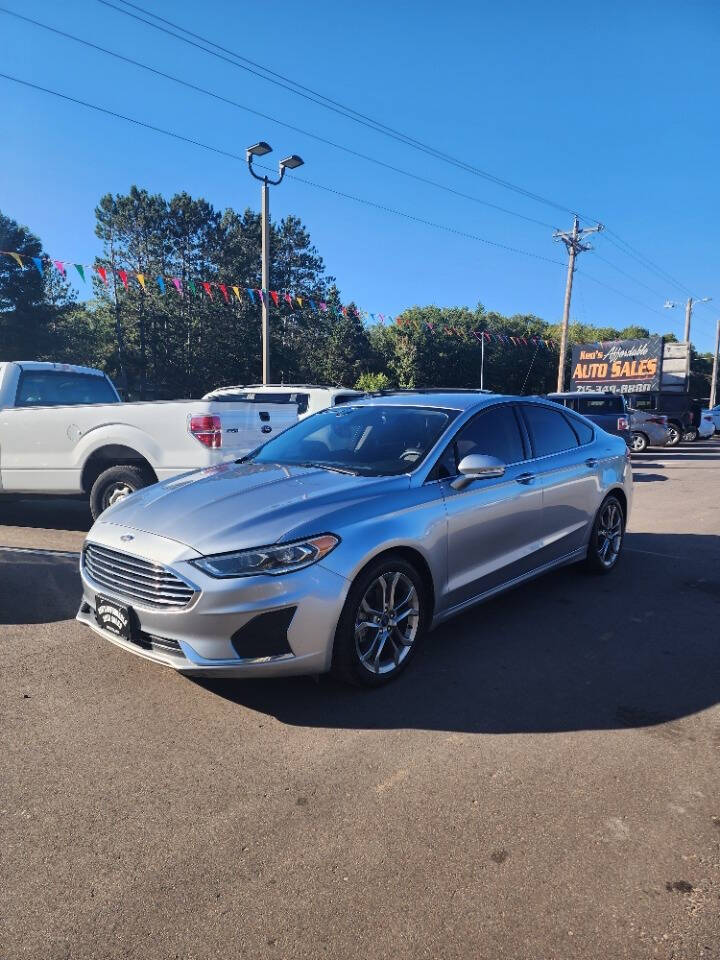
column 51, row 388
column 549, row 429
column 583, row 430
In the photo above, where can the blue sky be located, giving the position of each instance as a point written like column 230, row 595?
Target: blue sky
column 610, row 109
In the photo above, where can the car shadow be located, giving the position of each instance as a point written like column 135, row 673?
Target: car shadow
column 568, row 651
column 38, row 587
column 51, row 513
column 648, row 477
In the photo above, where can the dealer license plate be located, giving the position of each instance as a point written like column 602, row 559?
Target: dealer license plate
column 114, row 617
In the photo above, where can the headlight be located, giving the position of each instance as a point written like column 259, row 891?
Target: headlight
column 280, row 558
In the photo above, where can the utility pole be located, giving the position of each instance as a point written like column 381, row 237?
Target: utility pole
column 691, row 301
column 575, row 244
column 688, row 318
column 713, row 382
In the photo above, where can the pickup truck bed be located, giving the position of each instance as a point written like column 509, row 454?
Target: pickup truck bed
column 48, row 446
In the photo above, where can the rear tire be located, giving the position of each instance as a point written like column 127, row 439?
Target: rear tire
column 638, row 443
column 607, row 537
column 115, row 484
column 690, row 436
column 382, row 623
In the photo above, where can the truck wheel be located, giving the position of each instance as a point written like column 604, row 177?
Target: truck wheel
column 690, row 436
column 115, row 484
column 674, row 435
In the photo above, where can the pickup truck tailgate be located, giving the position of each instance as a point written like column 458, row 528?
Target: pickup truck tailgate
column 248, row 424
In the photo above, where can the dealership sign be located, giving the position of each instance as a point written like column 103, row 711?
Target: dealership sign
column 622, row 366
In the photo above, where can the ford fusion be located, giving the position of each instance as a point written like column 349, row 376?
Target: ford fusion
column 343, row 540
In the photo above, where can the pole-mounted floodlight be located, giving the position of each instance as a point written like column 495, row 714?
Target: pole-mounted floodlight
column 289, row 163
column 258, row 149
column 292, row 162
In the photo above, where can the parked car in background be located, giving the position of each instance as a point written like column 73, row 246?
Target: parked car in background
column 607, row 410
column 647, row 430
column 715, row 414
column 682, row 412
column 64, row 430
column 309, row 399
column 343, row 540
column 706, row 427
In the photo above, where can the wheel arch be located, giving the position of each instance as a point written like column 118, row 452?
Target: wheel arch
column 414, row 557
column 113, row 455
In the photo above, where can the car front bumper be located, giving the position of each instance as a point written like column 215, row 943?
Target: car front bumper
column 197, row 640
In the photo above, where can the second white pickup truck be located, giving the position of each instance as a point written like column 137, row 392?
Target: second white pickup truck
column 64, row 430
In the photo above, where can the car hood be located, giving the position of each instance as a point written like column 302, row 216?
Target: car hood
column 234, row 506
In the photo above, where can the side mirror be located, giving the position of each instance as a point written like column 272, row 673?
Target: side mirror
column 477, row 466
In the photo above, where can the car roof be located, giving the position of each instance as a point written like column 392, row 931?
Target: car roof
column 586, row 393
column 40, row 365
column 447, row 399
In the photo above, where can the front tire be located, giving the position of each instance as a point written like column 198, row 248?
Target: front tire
column 115, row 484
column 690, row 436
column 607, row 537
column 382, row 623
column 638, row 443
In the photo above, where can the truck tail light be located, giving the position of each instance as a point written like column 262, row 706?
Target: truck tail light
column 623, row 423
column 661, row 420
column 207, row 429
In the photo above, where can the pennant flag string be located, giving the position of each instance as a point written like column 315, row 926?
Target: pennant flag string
column 256, row 295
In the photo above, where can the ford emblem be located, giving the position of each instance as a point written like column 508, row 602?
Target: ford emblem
column 126, row 537
column 266, row 429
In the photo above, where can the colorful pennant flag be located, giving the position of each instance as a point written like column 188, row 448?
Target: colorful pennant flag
column 251, row 294
column 141, row 279
column 161, row 284
column 38, row 263
column 177, row 283
column 123, row 277
column 59, row 266
column 81, row 270
column 236, row 291
column 191, row 284
column 274, row 295
column 207, row 288
column 223, row 290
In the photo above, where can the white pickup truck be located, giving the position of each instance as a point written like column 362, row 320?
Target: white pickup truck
column 65, row 430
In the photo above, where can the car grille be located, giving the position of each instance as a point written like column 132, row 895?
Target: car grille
column 139, row 580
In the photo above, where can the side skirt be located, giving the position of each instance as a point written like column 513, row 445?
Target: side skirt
column 569, row 558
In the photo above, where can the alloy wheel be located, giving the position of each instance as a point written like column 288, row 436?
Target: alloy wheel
column 387, row 622
column 609, row 534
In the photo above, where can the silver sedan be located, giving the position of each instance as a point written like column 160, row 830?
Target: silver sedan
column 342, row 541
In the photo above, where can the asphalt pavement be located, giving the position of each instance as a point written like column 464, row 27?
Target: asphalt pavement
column 543, row 782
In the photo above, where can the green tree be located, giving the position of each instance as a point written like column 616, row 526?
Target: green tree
column 32, row 303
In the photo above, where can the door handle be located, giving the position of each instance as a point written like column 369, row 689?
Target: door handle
column 526, row 478
column 591, row 462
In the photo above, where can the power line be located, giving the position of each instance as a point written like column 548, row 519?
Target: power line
column 236, row 156
column 258, row 113
column 356, row 116
column 235, row 59
column 644, row 261
column 371, row 203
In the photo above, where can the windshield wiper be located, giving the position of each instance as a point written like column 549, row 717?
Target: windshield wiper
column 334, row 468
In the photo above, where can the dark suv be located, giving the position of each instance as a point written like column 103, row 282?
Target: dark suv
column 607, row 410
column 683, row 412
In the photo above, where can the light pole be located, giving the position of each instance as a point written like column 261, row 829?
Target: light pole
column 289, row 163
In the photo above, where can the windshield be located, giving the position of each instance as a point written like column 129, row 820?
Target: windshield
column 372, row 440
